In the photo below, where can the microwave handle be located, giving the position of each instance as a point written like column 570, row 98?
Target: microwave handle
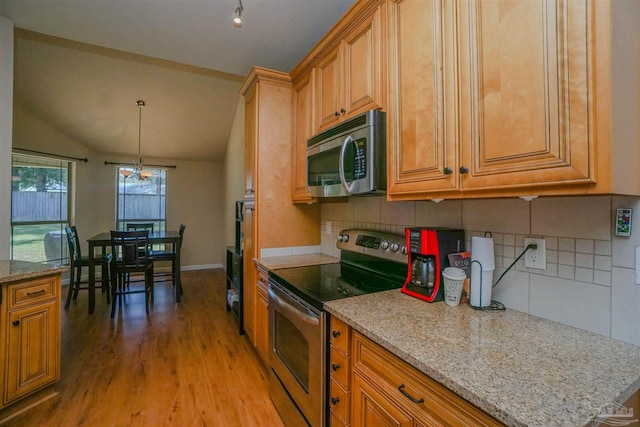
column 343, row 150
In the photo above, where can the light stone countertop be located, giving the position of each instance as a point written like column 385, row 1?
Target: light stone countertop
column 12, row 271
column 521, row 369
column 273, row 263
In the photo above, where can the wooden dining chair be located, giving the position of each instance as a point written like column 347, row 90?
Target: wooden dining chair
column 77, row 261
column 168, row 255
column 140, row 226
column 131, row 255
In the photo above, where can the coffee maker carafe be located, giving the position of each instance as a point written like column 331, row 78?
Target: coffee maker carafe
column 427, row 250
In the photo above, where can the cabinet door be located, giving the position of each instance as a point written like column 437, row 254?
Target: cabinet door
column 363, row 54
column 525, row 116
column 249, row 273
column 422, row 109
column 33, row 349
column 250, row 141
column 303, row 129
column 370, row 408
column 328, row 89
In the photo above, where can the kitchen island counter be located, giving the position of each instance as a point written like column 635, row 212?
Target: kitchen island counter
column 521, row 369
column 12, row 271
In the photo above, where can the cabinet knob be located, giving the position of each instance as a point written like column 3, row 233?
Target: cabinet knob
column 15, row 322
column 335, row 400
column 342, row 110
column 336, row 114
column 464, row 169
column 336, row 334
column 448, row 171
column 335, row 367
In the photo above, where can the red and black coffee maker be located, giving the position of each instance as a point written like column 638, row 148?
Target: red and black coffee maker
column 427, row 249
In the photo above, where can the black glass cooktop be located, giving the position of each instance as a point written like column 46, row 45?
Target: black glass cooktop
column 317, row 284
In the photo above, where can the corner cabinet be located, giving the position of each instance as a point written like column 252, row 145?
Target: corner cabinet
column 30, row 337
column 351, row 76
column 492, row 98
column 271, row 219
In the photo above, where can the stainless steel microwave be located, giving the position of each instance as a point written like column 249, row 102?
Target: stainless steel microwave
column 349, row 158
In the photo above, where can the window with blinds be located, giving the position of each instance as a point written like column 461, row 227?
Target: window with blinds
column 40, row 191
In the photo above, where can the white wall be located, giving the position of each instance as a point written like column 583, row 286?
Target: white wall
column 234, row 173
column 6, row 119
column 589, row 280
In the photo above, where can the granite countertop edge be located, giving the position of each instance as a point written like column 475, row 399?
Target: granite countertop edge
column 14, row 271
column 390, row 335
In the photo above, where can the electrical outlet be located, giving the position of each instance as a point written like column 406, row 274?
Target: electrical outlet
column 328, row 227
column 536, row 258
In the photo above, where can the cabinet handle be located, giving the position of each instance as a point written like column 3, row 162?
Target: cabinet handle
column 41, row 291
column 448, row 171
column 464, row 169
column 413, row 399
column 335, row 367
column 335, row 334
column 15, row 322
column 342, row 110
column 336, row 114
column 335, row 400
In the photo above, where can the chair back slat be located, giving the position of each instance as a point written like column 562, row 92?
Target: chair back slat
column 74, row 243
column 139, row 226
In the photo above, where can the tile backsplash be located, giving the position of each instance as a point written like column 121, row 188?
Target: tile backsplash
column 589, row 281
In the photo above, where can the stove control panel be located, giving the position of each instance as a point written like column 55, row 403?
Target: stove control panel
column 375, row 243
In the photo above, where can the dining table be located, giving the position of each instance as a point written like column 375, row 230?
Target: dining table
column 103, row 240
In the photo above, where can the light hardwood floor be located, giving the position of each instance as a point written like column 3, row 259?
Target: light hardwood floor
column 183, row 365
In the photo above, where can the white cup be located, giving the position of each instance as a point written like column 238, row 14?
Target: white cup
column 453, row 283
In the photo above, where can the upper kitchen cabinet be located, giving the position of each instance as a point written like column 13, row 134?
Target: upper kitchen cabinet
column 350, row 74
column 504, row 98
column 303, row 128
column 249, row 142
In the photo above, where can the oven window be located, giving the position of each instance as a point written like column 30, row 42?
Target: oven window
column 292, row 348
column 323, row 167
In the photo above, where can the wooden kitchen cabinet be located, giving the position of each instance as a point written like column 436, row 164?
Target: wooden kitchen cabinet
column 499, row 98
column 389, row 392
column 262, row 315
column 30, row 337
column 340, row 373
column 351, row 76
column 271, row 220
column 303, row 129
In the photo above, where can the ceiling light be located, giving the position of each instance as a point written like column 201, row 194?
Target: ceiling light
column 138, row 167
column 237, row 17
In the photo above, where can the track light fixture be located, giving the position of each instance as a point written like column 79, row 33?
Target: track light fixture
column 237, row 17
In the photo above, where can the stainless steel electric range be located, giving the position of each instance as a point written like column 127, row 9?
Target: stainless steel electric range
column 370, row 261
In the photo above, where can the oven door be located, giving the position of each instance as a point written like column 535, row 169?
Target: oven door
column 297, row 357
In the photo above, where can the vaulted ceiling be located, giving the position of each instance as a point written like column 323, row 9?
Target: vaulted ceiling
column 81, row 66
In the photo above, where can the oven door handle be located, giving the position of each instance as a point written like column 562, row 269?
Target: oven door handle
column 298, row 311
column 343, row 179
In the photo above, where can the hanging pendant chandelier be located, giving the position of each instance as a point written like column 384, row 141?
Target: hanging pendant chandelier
column 138, row 169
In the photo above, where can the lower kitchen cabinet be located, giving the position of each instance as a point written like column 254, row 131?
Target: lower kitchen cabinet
column 386, row 391
column 262, row 315
column 29, row 337
column 340, row 373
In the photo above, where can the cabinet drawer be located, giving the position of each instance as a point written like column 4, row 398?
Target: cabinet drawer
column 32, row 291
column 412, row 389
column 339, row 367
column 340, row 336
column 339, row 401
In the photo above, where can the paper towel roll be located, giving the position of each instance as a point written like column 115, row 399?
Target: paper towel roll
column 481, row 279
